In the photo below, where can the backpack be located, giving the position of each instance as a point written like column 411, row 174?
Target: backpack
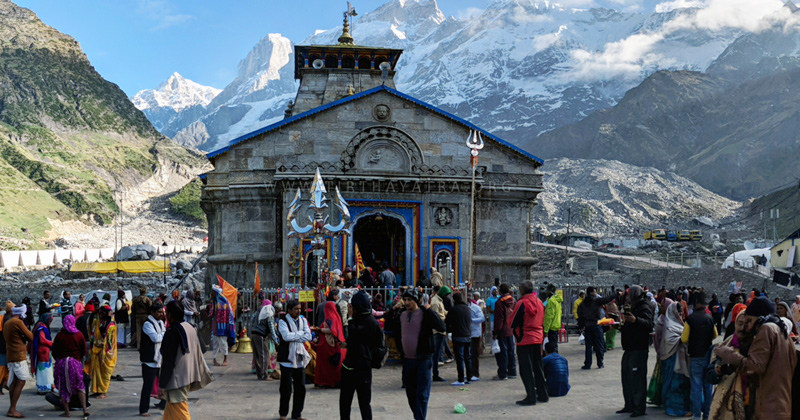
column 380, row 353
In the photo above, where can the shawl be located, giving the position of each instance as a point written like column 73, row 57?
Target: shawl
column 671, row 340
column 41, row 326
column 297, row 348
column 334, row 321
column 377, row 303
column 789, row 316
column 69, row 324
column 188, row 302
column 160, row 328
column 635, row 293
column 658, row 331
column 267, row 311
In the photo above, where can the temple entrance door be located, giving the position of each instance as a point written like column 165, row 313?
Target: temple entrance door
column 383, row 239
column 444, row 263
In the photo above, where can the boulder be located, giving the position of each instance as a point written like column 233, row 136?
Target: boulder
column 137, row 253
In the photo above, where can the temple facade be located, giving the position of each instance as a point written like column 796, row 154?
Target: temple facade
column 402, row 165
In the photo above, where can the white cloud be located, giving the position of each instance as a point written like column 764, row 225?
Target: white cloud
column 162, row 13
column 542, row 42
column 629, row 57
column 468, row 12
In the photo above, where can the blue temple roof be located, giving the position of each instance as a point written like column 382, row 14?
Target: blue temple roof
column 363, row 94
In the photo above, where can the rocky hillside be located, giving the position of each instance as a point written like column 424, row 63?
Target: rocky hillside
column 69, row 138
column 732, row 129
column 610, row 197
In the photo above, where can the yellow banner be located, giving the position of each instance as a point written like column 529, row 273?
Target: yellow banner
column 161, row 266
column 306, row 296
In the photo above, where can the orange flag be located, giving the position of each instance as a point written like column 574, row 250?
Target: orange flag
column 257, row 289
column 230, row 293
column 359, row 262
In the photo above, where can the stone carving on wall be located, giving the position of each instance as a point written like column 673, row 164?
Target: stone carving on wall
column 382, row 113
column 443, row 216
column 382, row 149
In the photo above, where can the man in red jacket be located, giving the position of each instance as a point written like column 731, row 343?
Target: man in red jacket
column 528, row 327
column 501, row 331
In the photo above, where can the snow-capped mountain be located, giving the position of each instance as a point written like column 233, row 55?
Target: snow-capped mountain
column 518, row 68
column 177, row 93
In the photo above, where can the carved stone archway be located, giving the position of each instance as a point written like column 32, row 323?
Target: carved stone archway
column 382, row 149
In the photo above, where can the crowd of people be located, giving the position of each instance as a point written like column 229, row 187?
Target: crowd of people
column 80, row 361
column 748, row 373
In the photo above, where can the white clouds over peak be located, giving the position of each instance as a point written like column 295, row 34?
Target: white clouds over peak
column 163, row 13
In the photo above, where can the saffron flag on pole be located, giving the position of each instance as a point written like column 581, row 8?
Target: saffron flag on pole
column 257, row 288
column 230, row 293
column 359, row 263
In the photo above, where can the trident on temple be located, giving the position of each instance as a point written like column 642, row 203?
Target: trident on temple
column 475, row 144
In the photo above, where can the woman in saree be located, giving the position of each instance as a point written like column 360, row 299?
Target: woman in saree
column 329, row 354
column 103, row 353
column 732, row 398
column 675, row 364
column 69, row 349
column 41, row 362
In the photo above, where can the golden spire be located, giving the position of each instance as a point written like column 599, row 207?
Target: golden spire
column 346, row 38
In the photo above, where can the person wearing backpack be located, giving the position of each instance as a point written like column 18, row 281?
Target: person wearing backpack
column 366, row 349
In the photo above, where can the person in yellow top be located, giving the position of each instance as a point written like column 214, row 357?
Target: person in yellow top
column 698, row 333
column 581, row 296
column 103, row 360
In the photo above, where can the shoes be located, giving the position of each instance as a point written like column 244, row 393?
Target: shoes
column 526, row 402
column 449, row 361
column 586, row 367
column 601, row 366
column 474, row 379
column 497, row 378
column 439, row 379
column 512, row 376
column 441, row 364
column 457, row 383
column 624, row 410
column 638, row 414
column 467, row 382
column 542, row 400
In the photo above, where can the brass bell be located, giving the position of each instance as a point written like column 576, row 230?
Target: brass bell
column 245, row 345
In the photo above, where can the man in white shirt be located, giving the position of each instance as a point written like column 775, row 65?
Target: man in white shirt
column 293, row 357
column 150, row 355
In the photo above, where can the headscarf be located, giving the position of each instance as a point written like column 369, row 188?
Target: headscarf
column 444, row 291
column 652, row 298
column 267, row 310
column 188, row 303
column 737, row 309
column 789, row 316
column 42, row 326
column 672, row 331
column 378, row 304
column 491, row 291
column 19, row 310
column 334, row 320
column 658, row 331
column 636, row 293
column 69, row 324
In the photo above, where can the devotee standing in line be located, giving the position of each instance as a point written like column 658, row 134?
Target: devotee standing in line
column 41, row 363
column 66, row 303
column 80, row 306
column 506, row 359
column 329, row 354
column 552, row 315
column 44, row 304
column 122, row 318
column 141, row 310
column 437, row 306
column 263, row 326
column 528, row 327
column 636, row 344
column 293, row 357
column 363, row 339
column 771, row 360
column 415, row 344
column 224, row 324
column 17, row 335
column 183, row 368
column 698, row 333
column 459, row 323
column 104, row 352
column 556, row 371
column 595, row 340
column 152, row 336
column 478, row 319
column 69, row 349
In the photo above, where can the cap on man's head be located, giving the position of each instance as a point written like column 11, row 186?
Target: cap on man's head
column 411, row 294
column 760, row 306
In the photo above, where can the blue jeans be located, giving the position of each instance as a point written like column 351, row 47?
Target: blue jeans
column 701, row 390
column 506, row 359
column 438, row 349
column 595, row 343
column 463, row 355
column 417, row 377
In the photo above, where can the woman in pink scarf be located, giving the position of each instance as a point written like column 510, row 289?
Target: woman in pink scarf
column 329, row 354
column 69, row 349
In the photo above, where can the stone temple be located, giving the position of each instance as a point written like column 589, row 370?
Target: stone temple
column 402, row 165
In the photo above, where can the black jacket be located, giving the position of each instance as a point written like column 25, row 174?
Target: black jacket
column 430, row 322
column 364, row 336
column 636, row 336
column 590, row 308
column 701, row 333
column 459, row 321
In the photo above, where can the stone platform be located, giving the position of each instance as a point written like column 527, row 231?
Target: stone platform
column 236, row 394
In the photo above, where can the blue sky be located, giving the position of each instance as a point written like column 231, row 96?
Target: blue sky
column 138, row 44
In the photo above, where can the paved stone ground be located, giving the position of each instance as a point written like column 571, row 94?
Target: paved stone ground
column 236, row 394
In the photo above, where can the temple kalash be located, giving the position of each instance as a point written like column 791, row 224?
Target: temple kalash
column 402, row 166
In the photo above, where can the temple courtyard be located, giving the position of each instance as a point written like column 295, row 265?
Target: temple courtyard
column 236, row 394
